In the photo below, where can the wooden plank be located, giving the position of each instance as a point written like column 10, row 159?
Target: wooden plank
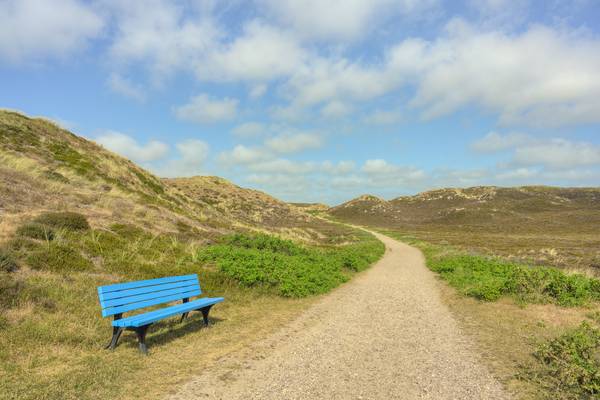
column 146, row 289
column 156, row 315
column 149, row 296
column 149, row 282
column 147, row 303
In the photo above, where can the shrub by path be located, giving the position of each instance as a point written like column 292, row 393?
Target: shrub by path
column 385, row 335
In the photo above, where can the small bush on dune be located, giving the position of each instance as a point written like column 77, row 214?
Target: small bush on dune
column 36, row 230
column 570, row 364
column 58, row 258
column 7, row 263
column 64, row 220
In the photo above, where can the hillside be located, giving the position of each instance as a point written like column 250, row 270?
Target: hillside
column 74, row 216
column 545, row 224
column 44, row 167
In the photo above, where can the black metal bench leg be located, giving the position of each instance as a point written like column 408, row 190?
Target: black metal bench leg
column 205, row 312
column 141, row 335
column 183, row 316
column 115, row 338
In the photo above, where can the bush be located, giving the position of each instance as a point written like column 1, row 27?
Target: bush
column 58, row 258
column 36, row 230
column 570, row 364
column 66, row 220
column 7, row 263
column 290, row 269
column 488, row 279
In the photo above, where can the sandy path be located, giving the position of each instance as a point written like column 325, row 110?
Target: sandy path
column 384, row 335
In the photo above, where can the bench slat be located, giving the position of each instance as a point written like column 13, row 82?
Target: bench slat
column 153, row 316
column 147, row 303
column 149, row 282
column 145, row 289
column 149, row 295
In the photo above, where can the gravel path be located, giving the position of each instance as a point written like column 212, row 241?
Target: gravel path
column 384, row 335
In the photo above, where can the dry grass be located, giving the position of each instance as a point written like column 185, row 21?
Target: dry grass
column 69, row 362
column 507, row 334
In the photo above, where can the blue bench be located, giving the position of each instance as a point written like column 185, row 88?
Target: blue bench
column 124, row 297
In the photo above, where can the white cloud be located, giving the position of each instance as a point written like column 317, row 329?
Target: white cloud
column 494, row 142
column 293, row 143
column 383, row 172
column 283, row 166
column 381, row 117
column 258, row 91
column 192, row 156
column 550, row 153
column 541, row 76
column 261, row 53
column 335, row 109
column 163, row 35
column 558, row 154
column 203, row 109
column 342, row 20
column 128, row 147
column 249, row 130
column 244, row 155
column 32, row 30
column 125, row 87
column 539, row 72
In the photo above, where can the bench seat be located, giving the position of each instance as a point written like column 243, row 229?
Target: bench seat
column 120, row 298
column 147, row 318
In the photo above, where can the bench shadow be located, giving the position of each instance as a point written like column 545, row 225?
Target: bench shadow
column 163, row 332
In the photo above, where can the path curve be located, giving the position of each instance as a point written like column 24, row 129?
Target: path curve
column 384, row 335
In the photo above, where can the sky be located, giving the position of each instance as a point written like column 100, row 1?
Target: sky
column 319, row 100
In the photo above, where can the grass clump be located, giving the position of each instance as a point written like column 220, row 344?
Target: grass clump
column 34, row 230
column 7, row 263
column 290, row 269
column 64, row 220
column 569, row 365
column 10, row 289
column 58, row 257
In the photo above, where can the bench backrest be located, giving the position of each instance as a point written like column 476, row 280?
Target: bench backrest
column 124, row 297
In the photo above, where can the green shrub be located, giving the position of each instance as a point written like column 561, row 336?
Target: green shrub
column 36, row 230
column 569, row 366
column 55, row 176
column 489, row 278
column 58, row 258
column 289, row 269
column 65, row 220
column 7, row 263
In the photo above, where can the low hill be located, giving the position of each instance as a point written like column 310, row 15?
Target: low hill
column 44, row 167
column 248, row 207
column 553, row 225
column 522, row 209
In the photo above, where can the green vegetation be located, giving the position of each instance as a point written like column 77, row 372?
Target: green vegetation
column 53, row 335
column 489, row 278
column 569, row 365
column 70, row 157
column 7, row 263
column 290, row 269
column 65, row 220
column 55, row 176
column 36, row 230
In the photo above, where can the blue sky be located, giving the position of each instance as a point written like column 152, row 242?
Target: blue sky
column 319, row 100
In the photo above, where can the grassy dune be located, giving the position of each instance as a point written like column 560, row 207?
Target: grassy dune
column 52, row 332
